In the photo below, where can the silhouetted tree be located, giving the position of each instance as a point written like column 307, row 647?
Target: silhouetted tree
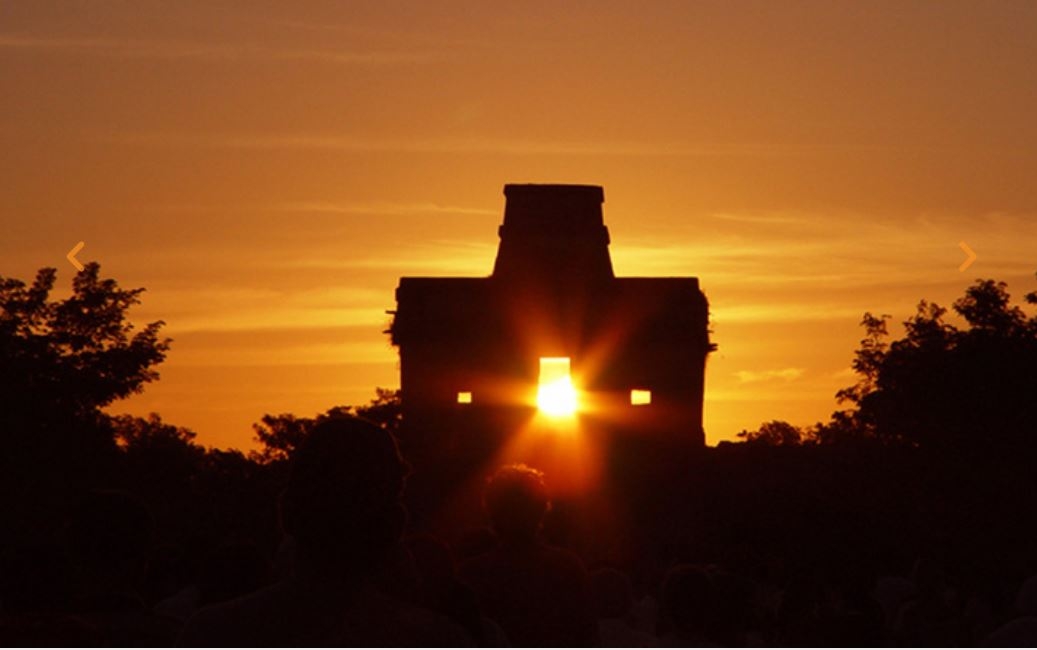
column 384, row 410
column 157, row 452
column 137, row 435
column 280, row 435
column 844, row 427
column 776, row 433
column 960, row 390
column 61, row 362
column 71, row 356
column 868, row 359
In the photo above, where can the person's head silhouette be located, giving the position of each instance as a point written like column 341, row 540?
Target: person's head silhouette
column 516, row 501
column 687, row 600
column 343, row 503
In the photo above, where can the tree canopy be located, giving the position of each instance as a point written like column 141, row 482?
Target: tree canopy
column 62, row 360
column 959, row 389
column 941, row 387
column 776, row 433
column 280, row 435
column 71, row 357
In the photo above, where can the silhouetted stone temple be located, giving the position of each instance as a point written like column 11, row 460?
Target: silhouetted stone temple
column 471, row 349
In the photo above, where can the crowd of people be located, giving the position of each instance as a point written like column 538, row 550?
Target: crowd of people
column 350, row 571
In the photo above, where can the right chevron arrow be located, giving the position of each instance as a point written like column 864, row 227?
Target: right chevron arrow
column 968, row 260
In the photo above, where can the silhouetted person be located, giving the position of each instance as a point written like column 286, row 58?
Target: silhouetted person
column 932, row 617
column 612, row 597
column 228, row 571
column 1020, row 632
column 109, row 538
column 442, row 591
column 537, row 593
column 702, row 607
column 343, row 509
column 473, row 542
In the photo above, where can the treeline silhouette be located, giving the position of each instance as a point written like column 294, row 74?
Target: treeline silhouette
column 903, row 520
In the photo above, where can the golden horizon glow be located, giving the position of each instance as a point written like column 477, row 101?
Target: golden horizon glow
column 803, row 174
column 556, row 395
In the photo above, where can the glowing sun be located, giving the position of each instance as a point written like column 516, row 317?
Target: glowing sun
column 556, row 395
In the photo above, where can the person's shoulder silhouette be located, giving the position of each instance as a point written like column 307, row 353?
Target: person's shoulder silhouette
column 343, row 508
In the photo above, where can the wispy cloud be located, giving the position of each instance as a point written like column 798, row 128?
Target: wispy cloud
column 250, row 319
column 227, row 309
column 764, row 218
column 841, row 251
column 755, row 376
column 301, row 353
column 381, row 208
column 783, row 312
column 191, row 50
column 433, row 257
column 844, row 373
column 359, row 143
column 396, row 34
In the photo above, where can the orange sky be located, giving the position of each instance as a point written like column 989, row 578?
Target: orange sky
column 268, row 171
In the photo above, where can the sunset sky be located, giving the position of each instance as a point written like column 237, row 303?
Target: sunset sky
column 269, row 170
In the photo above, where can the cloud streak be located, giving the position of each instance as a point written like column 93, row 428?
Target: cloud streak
column 755, row 376
column 385, row 208
column 201, row 51
column 436, row 258
column 360, row 143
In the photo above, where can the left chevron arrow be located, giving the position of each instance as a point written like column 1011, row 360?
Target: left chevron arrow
column 72, row 255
